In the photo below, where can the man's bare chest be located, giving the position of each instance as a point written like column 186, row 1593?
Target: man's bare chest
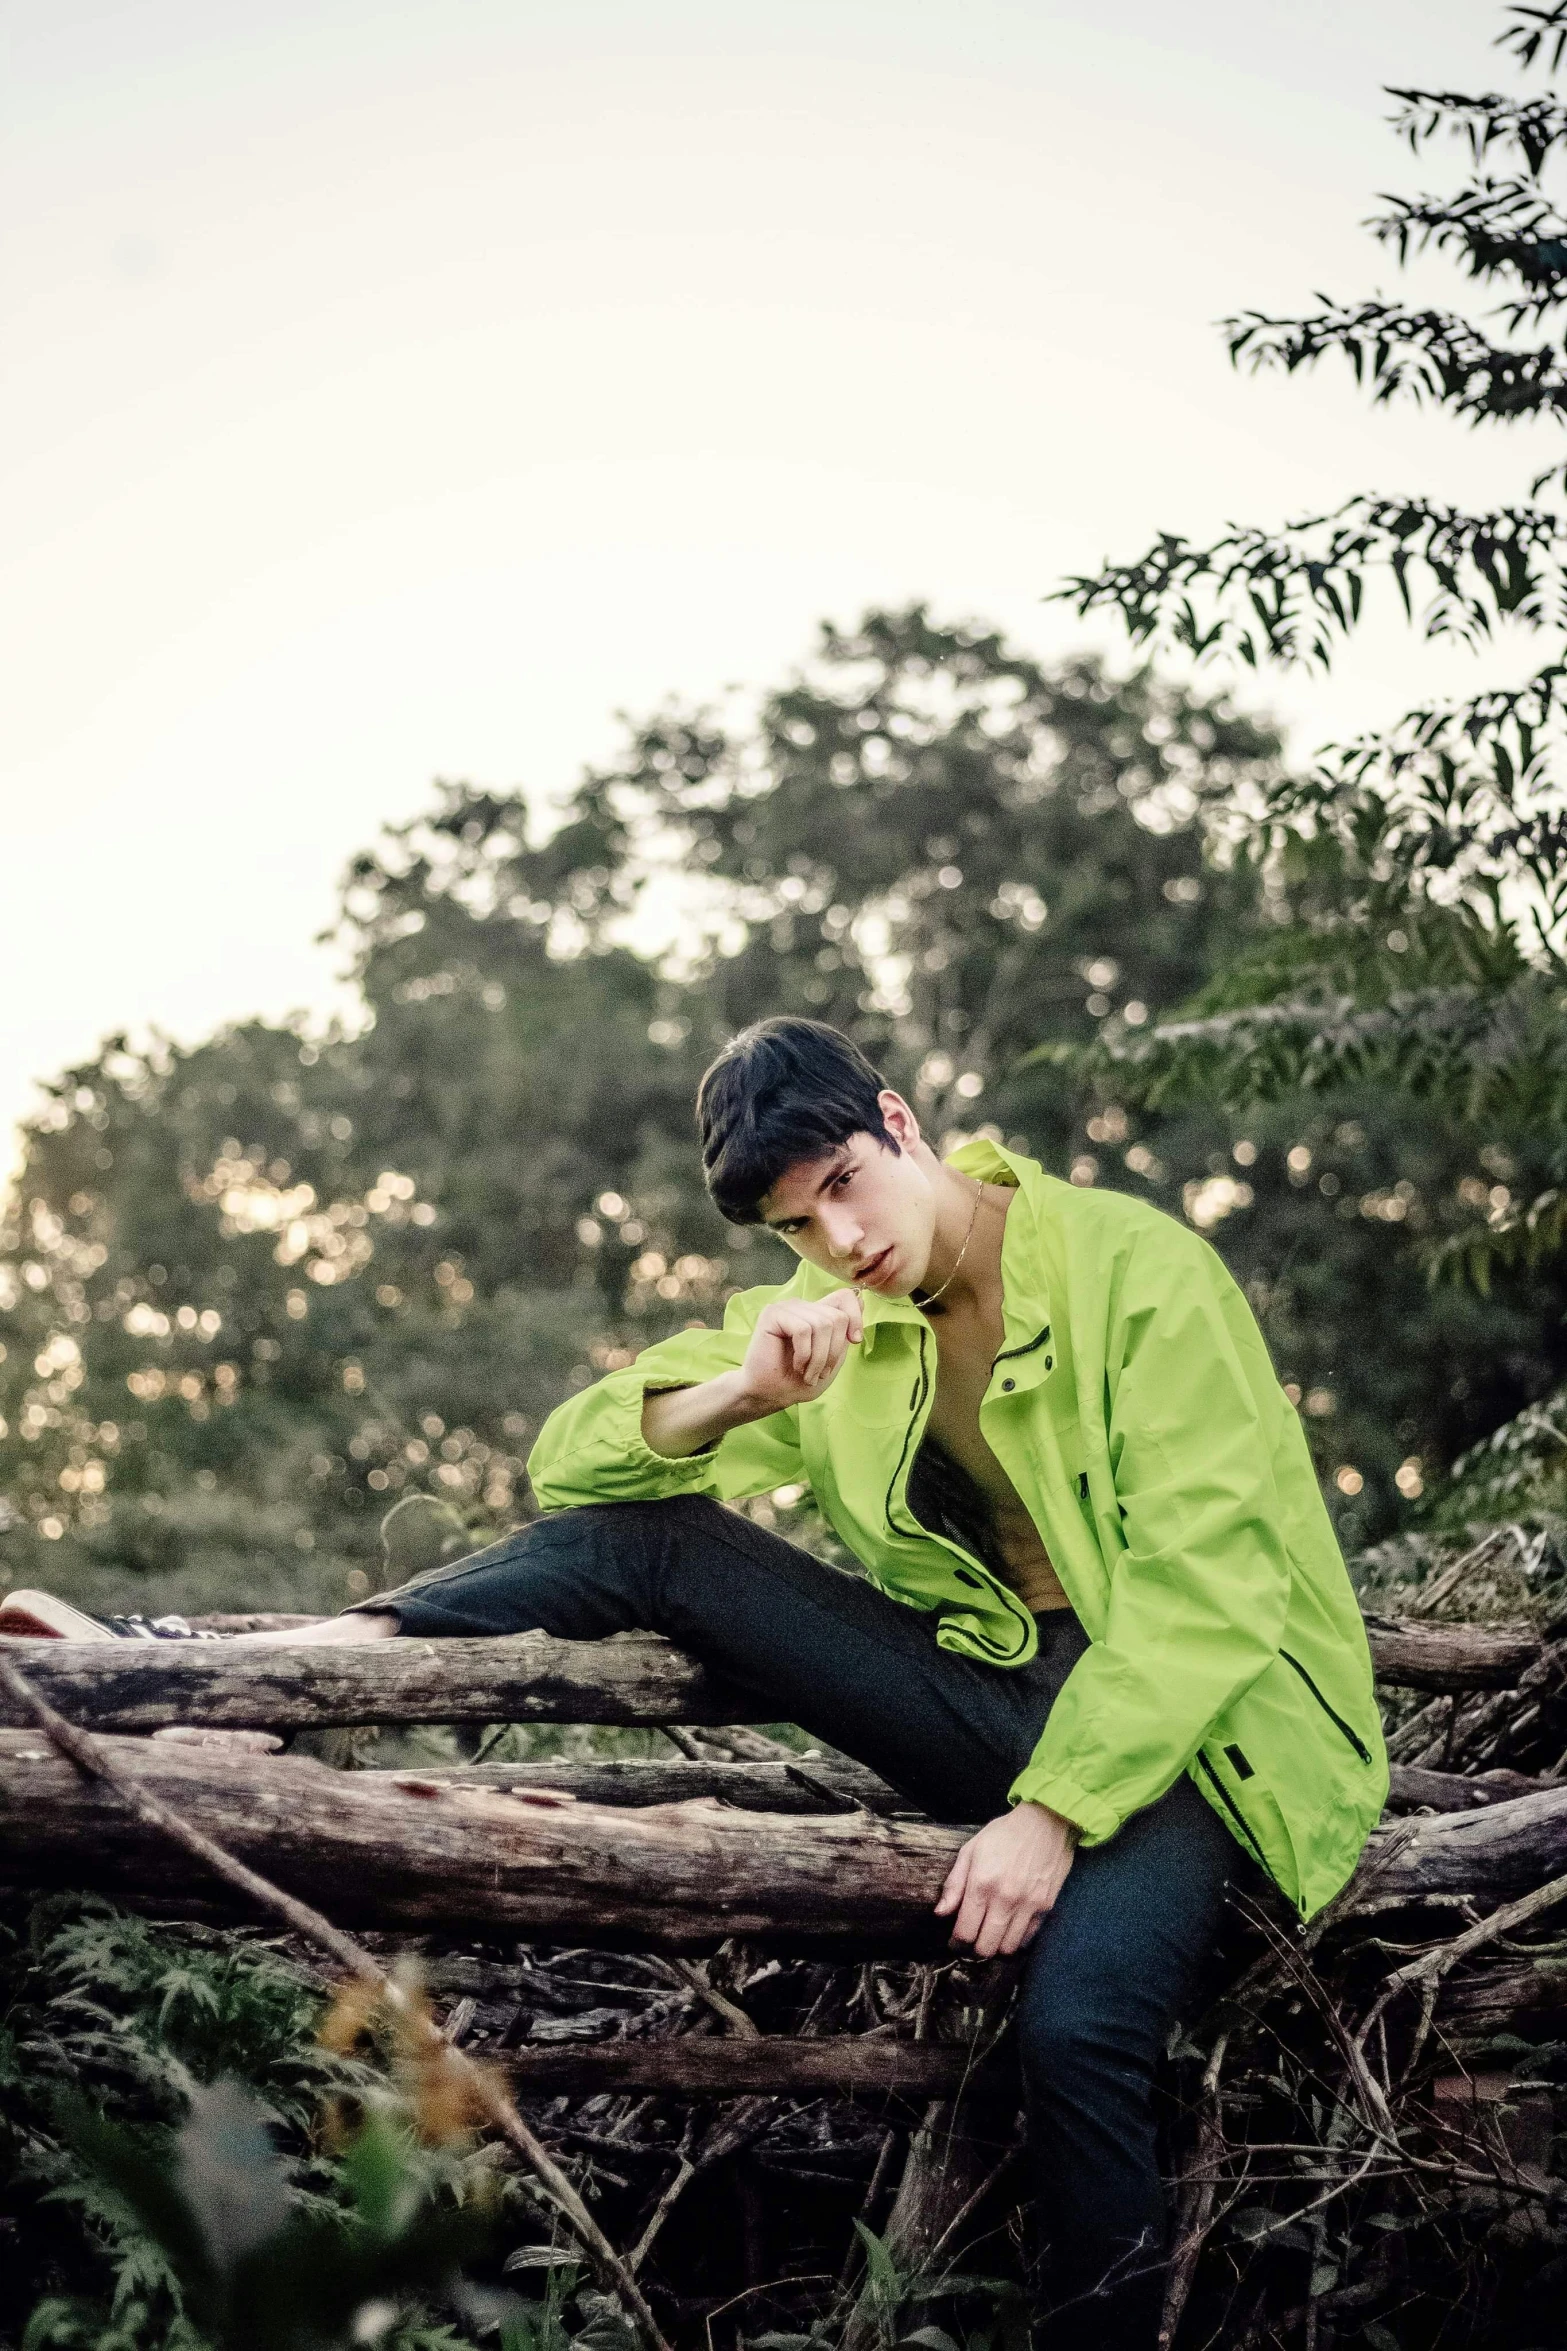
column 966, row 1351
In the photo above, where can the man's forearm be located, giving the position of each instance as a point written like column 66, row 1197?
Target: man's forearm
column 678, row 1422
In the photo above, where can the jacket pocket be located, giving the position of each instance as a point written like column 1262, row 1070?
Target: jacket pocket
column 1346, row 1729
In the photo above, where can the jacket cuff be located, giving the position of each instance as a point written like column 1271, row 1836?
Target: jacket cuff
column 616, row 1460
column 1094, row 1819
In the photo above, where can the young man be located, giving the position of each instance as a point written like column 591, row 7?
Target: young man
column 1103, row 1611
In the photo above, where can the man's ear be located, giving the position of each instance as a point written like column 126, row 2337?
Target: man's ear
column 898, row 1119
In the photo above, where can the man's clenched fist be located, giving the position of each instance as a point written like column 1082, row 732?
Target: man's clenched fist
column 793, row 1357
column 797, row 1348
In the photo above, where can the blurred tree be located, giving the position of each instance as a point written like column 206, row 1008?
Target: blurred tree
column 254, row 1290
column 1419, row 873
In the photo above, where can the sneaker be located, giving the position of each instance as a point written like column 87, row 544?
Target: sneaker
column 155, row 1628
column 33, row 1616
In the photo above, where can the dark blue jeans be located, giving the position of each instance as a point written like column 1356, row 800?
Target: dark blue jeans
column 1114, row 1962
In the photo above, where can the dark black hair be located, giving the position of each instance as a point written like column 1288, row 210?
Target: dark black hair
column 782, row 1091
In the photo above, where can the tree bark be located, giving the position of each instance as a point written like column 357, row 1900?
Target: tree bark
column 523, row 1677
column 1503, row 1993
column 529, row 1677
column 1492, row 1854
column 816, row 1783
column 1450, row 1656
column 402, row 1850
column 693, row 2066
column 1414, row 1789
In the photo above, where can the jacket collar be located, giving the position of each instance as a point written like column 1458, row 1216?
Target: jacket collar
column 1025, row 1297
column 1025, row 1293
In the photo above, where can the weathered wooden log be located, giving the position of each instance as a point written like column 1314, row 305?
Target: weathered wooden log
column 1450, row 1656
column 1497, row 1992
column 399, row 1850
column 831, row 1783
column 402, row 1850
column 1413, row 1788
column 692, row 2066
column 816, row 1783
column 529, row 1677
column 256, row 1620
column 1492, row 1854
column 524, row 1677
column 1408, row 1653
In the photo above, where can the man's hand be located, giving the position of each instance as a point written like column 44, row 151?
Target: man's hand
column 1007, row 1878
column 794, row 1356
column 797, row 1348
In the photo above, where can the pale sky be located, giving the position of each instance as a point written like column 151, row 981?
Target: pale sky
column 396, row 389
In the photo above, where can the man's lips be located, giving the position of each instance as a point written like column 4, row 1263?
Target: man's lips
column 875, row 1266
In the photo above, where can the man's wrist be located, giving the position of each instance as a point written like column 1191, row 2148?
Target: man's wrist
column 678, row 1423
column 733, row 1401
column 1070, row 1828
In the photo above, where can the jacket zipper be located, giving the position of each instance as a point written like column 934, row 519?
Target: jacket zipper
column 990, row 1583
column 1352, row 1735
column 1230, row 1806
column 1009, row 1354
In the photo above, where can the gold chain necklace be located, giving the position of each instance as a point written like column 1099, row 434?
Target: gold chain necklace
column 932, row 1295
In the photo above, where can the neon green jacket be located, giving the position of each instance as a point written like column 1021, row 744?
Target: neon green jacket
column 1134, row 1407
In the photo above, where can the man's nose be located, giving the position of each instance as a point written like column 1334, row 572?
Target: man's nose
column 845, row 1236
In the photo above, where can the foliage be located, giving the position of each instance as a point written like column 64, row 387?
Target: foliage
column 254, row 1289
column 194, row 2155
column 144, row 2017
column 1419, row 874
column 1436, row 960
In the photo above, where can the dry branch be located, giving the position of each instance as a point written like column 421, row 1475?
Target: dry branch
column 694, row 2066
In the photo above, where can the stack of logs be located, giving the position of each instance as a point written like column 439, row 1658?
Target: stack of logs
column 1341, row 2156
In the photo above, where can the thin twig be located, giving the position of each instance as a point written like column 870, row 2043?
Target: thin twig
column 748, row 2120
column 731, row 2013
column 1203, row 2180
column 966, row 2211
column 88, row 1754
column 1428, row 1971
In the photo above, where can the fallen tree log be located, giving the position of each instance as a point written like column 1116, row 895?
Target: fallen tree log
column 816, row 1783
column 1413, row 1788
column 693, row 2066
column 523, row 1677
column 1491, row 1855
column 1450, row 1656
column 831, row 1783
column 530, row 1677
column 401, row 1850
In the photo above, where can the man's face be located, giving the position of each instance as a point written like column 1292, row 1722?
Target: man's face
column 862, row 1213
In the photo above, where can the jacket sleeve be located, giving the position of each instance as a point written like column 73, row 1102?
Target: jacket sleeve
column 1198, row 1597
column 591, row 1449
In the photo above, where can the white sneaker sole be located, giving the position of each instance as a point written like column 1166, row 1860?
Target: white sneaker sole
column 39, row 1616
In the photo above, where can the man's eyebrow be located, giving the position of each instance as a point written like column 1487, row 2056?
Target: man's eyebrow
column 839, row 1161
